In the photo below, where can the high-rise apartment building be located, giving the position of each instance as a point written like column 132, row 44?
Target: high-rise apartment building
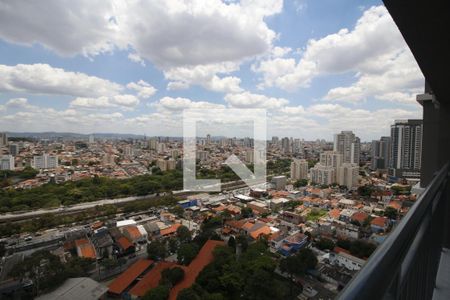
column 331, row 169
column 324, row 175
column 7, row 162
column 14, row 149
column 349, row 145
column 299, row 169
column 381, row 153
column 331, row 159
column 406, row 148
column 347, row 175
column 286, row 145
column 325, row 172
column 249, row 156
column 3, row 139
column 45, row 161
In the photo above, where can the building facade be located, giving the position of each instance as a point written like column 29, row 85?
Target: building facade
column 299, row 169
column 349, row 145
column 45, row 161
column 406, row 148
column 7, row 162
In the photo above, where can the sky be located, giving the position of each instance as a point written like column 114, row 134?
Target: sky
column 317, row 67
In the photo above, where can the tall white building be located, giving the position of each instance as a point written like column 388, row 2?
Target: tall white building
column 7, row 162
column 202, row 155
column 331, row 159
column 45, row 161
column 299, row 169
column 348, row 175
column 249, row 156
column 324, row 175
column 349, row 145
column 331, row 169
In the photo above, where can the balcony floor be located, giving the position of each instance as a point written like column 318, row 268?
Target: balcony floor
column 442, row 289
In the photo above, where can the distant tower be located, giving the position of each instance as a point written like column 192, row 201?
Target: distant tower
column 3, row 139
column 349, row 145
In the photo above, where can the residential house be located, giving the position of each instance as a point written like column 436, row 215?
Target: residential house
column 379, row 224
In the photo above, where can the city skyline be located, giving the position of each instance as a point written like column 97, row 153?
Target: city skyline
column 123, row 80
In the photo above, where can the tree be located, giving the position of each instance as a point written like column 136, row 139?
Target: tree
column 232, row 242
column 257, row 287
column 242, row 241
column 246, row 212
column 391, row 213
column 177, row 210
column 325, row 243
column 157, row 250
column 301, row 183
column 172, row 276
column 365, row 190
column 173, row 245
column 187, row 252
column 183, row 233
column 161, row 292
column 188, row 294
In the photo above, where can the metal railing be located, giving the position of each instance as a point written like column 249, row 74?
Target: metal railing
column 405, row 265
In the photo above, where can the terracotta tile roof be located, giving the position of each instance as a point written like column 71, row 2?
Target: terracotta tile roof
column 204, row 257
column 170, row 230
column 248, row 225
column 85, row 249
column 121, row 283
column 151, row 279
column 265, row 230
column 359, row 216
column 379, row 221
column 124, row 243
column 395, row 204
column 335, row 213
column 133, row 232
column 339, row 250
column 236, row 224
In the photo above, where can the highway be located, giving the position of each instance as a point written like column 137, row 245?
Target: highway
column 69, row 209
column 226, row 186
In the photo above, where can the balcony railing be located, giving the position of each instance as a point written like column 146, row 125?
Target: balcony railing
column 405, row 265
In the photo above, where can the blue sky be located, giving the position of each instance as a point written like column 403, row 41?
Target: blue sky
column 318, row 67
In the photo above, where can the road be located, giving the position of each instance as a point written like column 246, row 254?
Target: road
column 226, row 186
column 68, row 209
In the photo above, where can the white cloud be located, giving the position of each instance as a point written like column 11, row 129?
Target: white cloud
column 67, row 27
column 144, row 89
column 177, row 104
column 249, row 100
column 293, row 110
column 136, row 58
column 205, row 76
column 180, row 33
column 399, row 81
column 17, row 102
column 120, row 101
column 168, row 33
column 174, row 35
column 374, row 49
column 44, row 79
